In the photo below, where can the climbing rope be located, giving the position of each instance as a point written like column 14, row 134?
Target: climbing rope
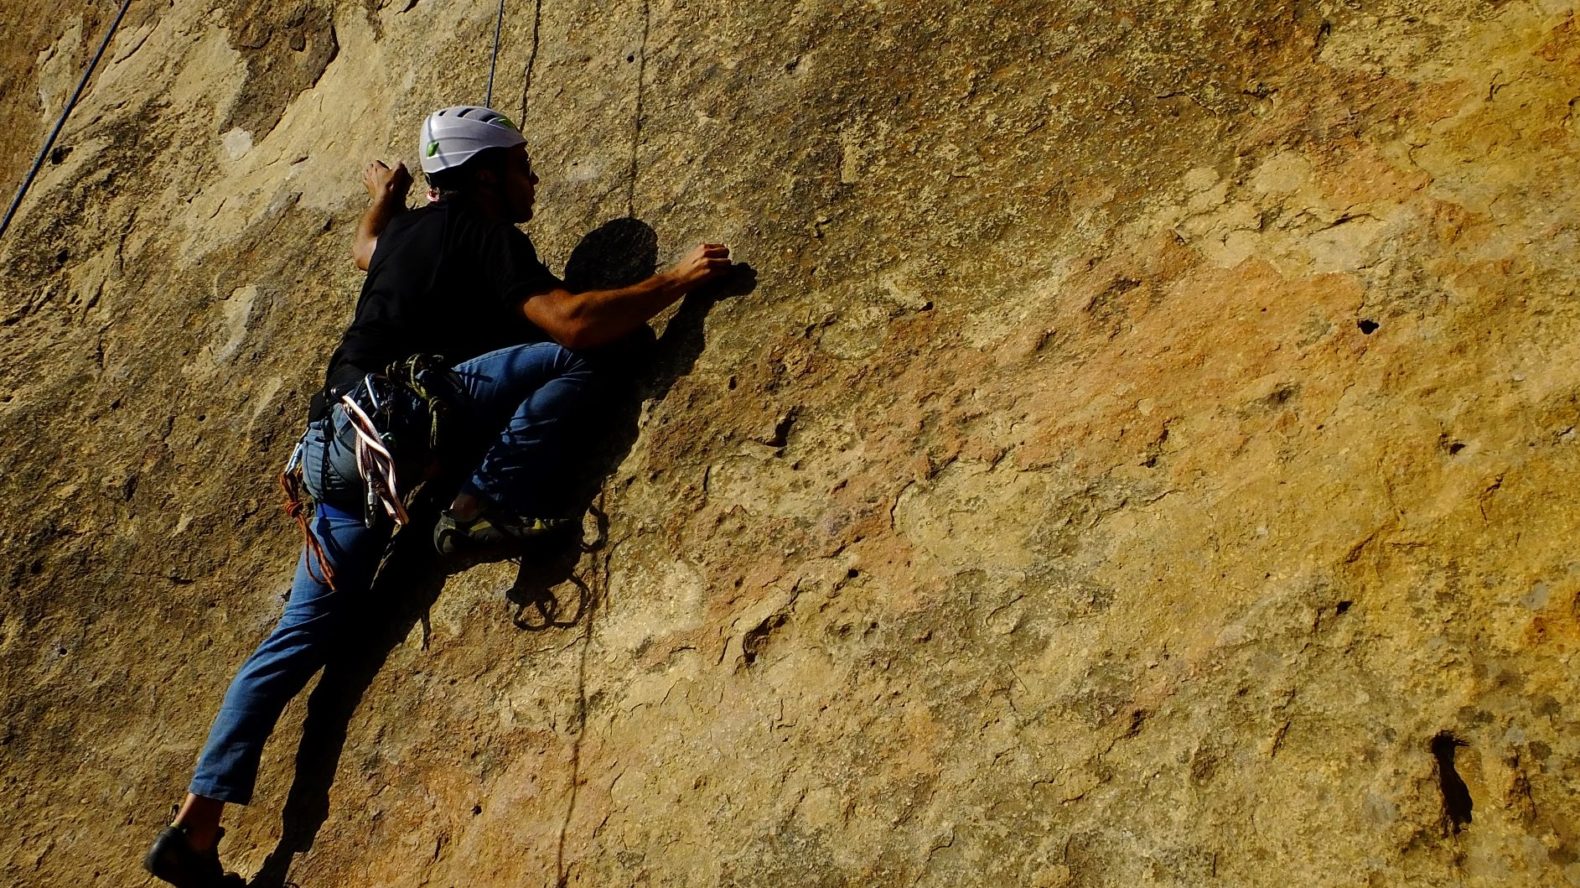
column 499, row 22
column 291, row 486
column 82, row 84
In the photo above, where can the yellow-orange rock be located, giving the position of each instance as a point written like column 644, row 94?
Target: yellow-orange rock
column 1147, row 456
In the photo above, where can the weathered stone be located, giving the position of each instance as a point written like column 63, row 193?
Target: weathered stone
column 1145, row 456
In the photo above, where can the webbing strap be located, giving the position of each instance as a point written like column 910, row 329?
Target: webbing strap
column 375, row 463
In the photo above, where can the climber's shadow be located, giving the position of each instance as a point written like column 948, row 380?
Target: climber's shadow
column 640, row 368
column 548, row 592
column 407, row 584
column 544, row 571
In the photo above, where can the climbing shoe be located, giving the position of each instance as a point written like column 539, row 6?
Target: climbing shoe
column 173, row 859
column 491, row 536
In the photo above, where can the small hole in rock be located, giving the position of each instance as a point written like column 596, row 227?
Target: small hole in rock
column 1457, row 804
column 1368, row 326
column 59, row 154
column 631, row 58
column 1456, row 447
column 1343, row 607
column 62, row 256
column 852, row 574
column 476, row 810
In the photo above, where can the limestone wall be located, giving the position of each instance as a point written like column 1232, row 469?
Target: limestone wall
column 1146, row 457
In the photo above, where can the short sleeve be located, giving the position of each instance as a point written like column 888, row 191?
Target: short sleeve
column 511, row 266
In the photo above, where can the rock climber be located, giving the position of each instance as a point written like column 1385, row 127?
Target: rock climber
column 455, row 279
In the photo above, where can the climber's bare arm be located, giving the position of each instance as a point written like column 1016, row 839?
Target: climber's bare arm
column 386, row 198
column 599, row 317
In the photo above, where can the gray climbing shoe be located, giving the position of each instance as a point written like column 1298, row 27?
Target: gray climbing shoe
column 491, row 536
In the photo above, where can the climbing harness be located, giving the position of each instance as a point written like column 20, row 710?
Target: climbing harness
column 49, row 142
column 387, row 411
column 398, row 416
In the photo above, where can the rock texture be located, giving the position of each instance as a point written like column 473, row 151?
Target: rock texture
column 1147, row 455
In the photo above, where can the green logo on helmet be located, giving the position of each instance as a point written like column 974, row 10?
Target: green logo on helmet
column 504, row 121
column 433, row 148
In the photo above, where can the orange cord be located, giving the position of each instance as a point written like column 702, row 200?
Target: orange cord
column 294, row 507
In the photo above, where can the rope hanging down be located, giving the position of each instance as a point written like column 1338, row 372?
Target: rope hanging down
column 499, row 21
column 82, row 84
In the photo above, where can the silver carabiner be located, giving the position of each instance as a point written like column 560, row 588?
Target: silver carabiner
column 373, row 396
column 296, row 453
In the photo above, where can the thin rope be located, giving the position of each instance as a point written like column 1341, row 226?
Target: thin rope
column 488, row 100
column 49, row 143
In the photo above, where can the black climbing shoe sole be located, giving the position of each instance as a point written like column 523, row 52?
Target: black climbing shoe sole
column 172, row 859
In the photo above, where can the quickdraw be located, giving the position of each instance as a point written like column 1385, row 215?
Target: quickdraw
column 376, row 464
column 383, row 440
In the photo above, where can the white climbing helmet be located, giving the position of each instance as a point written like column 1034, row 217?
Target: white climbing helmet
column 451, row 136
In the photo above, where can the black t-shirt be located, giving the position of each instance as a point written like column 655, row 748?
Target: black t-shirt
column 444, row 280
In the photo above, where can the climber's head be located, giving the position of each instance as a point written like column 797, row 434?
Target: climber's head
column 477, row 153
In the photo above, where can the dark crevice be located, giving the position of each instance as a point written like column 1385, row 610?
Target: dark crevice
column 641, row 85
column 1282, row 395
column 584, row 702
column 756, row 639
column 781, row 434
column 1457, row 803
column 532, row 58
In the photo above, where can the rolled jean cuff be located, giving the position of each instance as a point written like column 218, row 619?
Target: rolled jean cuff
column 219, row 792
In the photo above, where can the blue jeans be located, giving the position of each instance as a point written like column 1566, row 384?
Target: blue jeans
column 526, row 406
column 520, row 406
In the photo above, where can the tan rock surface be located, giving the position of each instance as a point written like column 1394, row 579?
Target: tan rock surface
column 1146, row 458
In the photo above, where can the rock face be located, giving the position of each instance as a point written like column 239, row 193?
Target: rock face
column 1147, row 455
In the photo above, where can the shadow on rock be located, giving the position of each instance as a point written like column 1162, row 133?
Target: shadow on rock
column 642, row 367
column 546, row 568
column 408, row 582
